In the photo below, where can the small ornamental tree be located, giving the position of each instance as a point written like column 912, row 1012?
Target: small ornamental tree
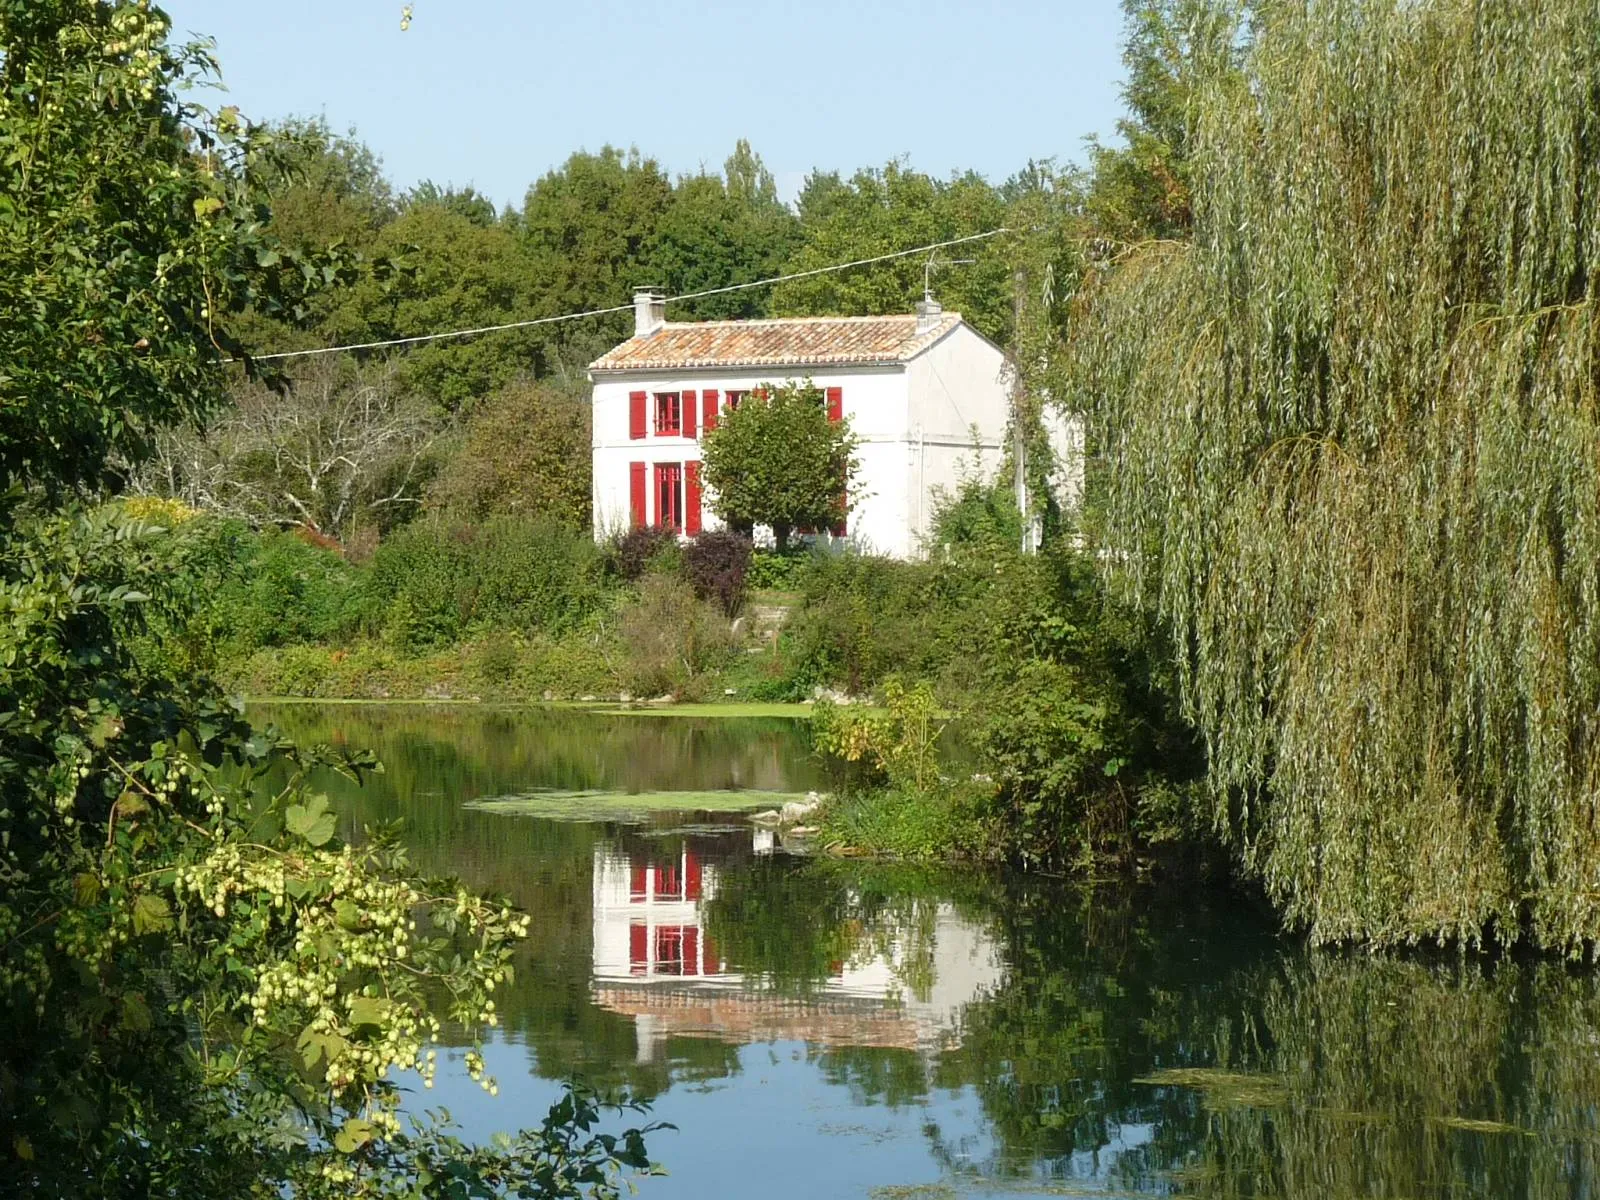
column 778, row 460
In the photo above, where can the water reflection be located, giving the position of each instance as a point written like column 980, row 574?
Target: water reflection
column 870, row 1025
column 904, row 983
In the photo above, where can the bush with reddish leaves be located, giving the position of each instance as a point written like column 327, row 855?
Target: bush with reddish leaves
column 636, row 552
column 717, row 564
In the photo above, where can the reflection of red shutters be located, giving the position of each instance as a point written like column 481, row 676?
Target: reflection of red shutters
column 689, row 414
column 691, row 950
column 637, row 881
column 636, row 415
column 691, row 877
column 638, row 949
column 709, row 399
column 636, row 495
column 691, row 487
column 669, row 950
column 669, row 886
column 835, row 404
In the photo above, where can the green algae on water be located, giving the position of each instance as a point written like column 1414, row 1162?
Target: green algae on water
column 1223, row 1089
column 556, row 805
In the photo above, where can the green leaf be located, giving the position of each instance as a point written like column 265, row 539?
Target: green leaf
column 314, row 1046
column 368, row 1010
column 354, row 1134
column 136, row 1016
column 348, row 914
column 151, row 914
column 85, row 889
column 311, row 820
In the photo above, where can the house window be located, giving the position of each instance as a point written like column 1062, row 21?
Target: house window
column 735, row 399
column 669, row 414
column 669, row 496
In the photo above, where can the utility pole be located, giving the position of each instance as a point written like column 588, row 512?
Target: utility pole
column 1019, row 433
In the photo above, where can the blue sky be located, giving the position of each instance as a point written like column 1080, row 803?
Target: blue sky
column 494, row 93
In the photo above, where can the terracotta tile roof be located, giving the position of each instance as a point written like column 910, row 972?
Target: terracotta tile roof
column 787, row 342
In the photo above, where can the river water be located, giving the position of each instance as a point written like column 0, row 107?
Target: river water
column 830, row 1028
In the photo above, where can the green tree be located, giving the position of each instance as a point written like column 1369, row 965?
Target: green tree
column 590, row 229
column 1348, row 439
column 1141, row 189
column 777, row 460
column 458, row 274
column 207, row 993
column 879, row 211
column 524, row 452
column 720, row 231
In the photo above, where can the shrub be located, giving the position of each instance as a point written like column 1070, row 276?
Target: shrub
column 1089, row 757
column 899, row 746
column 672, row 639
column 525, row 452
column 782, row 572
column 642, row 549
column 284, row 590
column 977, row 515
column 434, row 582
column 863, row 617
column 717, row 564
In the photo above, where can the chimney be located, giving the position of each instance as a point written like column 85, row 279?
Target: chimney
column 649, row 311
column 929, row 313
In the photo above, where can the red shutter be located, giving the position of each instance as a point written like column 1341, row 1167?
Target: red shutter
column 709, row 399
column 638, row 949
column 636, row 415
column 689, row 413
column 691, row 522
column 835, row 404
column 636, row 495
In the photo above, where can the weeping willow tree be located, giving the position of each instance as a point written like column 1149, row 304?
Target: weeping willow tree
column 1349, row 444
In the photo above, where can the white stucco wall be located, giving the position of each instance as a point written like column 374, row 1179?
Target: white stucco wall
column 914, row 423
column 960, row 407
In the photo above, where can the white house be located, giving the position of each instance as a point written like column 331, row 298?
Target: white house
column 926, row 395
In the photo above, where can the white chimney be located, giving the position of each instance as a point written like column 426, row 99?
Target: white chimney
column 649, row 311
column 929, row 313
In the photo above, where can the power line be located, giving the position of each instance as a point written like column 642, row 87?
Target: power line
column 860, row 262
column 618, row 308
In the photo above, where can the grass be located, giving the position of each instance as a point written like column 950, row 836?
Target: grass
column 621, row 806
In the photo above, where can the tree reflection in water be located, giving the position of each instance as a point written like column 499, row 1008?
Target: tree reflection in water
column 1153, row 1041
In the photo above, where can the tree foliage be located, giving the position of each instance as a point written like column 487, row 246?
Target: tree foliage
column 1349, row 439
column 524, row 452
column 879, row 211
column 777, row 460
column 207, row 991
column 122, row 246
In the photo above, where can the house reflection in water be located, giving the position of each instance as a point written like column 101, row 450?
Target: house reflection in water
column 654, row 963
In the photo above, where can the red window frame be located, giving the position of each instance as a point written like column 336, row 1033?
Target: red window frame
column 669, row 496
column 732, row 400
column 669, row 414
